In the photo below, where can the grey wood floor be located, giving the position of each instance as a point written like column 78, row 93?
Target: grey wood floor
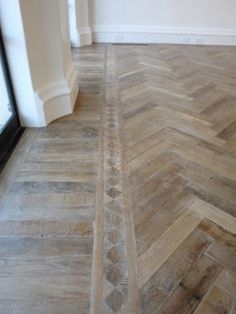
column 128, row 205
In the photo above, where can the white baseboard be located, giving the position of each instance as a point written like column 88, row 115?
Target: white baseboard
column 83, row 37
column 57, row 99
column 144, row 34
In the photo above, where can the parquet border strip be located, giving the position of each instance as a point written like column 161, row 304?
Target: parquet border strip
column 133, row 292
column 96, row 306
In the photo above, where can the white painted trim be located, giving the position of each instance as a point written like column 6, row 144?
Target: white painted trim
column 56, row 89
column 57, row 99
column 72, row 75
column 172, row 35
column 85, row 36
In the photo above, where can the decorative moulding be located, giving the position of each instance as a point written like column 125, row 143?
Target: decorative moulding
column 172, row 35
column 85, row 36
column 57, row 99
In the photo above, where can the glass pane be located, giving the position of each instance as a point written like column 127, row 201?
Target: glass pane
column 6, row 111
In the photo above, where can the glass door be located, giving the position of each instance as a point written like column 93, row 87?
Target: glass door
column 10, row 128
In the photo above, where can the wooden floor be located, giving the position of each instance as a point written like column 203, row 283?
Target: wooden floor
column 129, row 204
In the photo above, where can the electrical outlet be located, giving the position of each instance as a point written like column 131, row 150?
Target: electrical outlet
column 186, row 40
column 199, row 40
column 119, row 38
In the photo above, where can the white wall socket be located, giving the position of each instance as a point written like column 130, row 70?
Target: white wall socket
column 119, row 38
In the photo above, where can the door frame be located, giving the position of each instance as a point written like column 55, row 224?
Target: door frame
column 13, row 130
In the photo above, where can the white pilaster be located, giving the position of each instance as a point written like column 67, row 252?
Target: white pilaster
column 80, row 31
column 38, row 50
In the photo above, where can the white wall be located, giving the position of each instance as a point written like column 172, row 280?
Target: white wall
column 187, row 21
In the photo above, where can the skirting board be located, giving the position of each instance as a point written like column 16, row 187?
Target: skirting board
column 82, row 37
column 138, row 34
column 58, row 99
column 85, row 36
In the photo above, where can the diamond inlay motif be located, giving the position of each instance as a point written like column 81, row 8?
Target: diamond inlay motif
column 114, row 275
column 115, row 300
column 115, row 257
column 113, row 192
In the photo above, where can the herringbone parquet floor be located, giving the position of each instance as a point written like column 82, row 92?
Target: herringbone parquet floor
column 129, row 204
column 179, row 111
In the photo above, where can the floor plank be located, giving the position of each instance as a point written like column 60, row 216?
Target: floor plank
column 216, row 301
column 192, row 289
column 160, row 286
column 127, row 205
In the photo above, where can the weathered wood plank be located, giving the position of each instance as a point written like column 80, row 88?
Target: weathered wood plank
column 160, row 286
column 227, row 281
column 150, row 261
column 224, row 256
column 216, row 301
column 218, row 233
column 192, row 288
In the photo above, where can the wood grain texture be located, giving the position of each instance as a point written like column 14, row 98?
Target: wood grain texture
column 151, row 260
column 216, row 301
column 179, row 119
column 192, row 288
column 47, row 214
column 129, row 204
column 227, row 281
column 164, row 281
